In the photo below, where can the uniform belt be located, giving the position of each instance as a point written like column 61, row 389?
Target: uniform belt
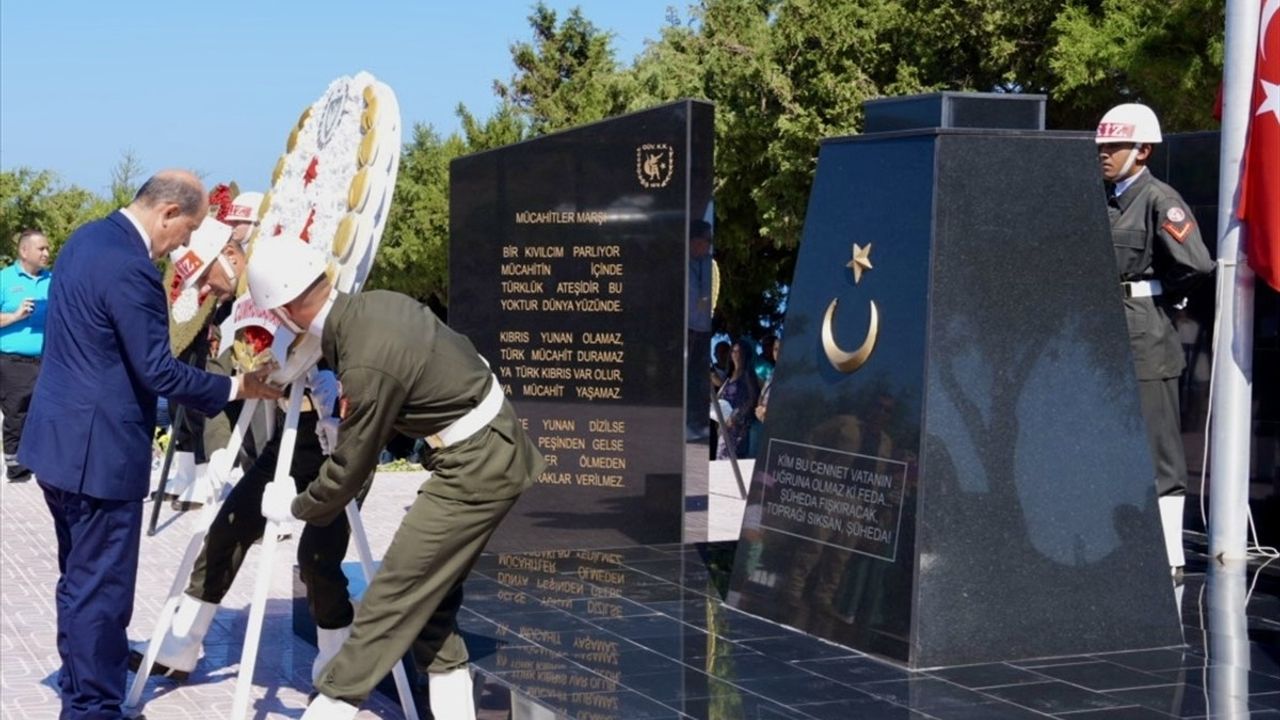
column 21, row 358
column 1142, row 288
column 473, row 422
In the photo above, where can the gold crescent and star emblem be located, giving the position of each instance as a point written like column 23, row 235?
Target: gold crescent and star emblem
column 847, row 362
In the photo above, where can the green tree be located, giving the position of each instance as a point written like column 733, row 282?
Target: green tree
column 414, row 255
column 566, row 76
column 125, row 179
column 504, row 127
column 784, row 74
column 1165, row 53
column 38, row 199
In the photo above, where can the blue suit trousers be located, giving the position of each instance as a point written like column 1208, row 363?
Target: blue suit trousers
column 98, row 544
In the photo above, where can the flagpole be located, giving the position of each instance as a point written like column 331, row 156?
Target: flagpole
column 1233, row 349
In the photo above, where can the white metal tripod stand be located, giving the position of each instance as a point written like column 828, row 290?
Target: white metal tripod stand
column 270, row 539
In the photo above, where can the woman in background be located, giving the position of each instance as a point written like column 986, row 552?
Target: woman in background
column 741, row 391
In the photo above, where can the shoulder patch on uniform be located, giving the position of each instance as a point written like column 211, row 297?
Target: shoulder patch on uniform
column 1176, row 214
column 1178, row 232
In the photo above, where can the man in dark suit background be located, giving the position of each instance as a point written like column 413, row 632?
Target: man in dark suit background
column 88, row 432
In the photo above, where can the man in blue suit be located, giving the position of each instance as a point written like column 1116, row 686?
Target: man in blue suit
column 88, row 432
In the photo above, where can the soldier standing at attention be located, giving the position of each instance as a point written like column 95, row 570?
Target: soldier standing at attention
column 400, row 369
column 1161, row 257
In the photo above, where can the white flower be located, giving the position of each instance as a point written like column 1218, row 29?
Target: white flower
column 292, row 198
column 186, row 305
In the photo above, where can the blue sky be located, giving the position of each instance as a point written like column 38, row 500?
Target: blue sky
column 217, row 86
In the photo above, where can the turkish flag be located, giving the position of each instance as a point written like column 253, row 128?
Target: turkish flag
column 1260, row 182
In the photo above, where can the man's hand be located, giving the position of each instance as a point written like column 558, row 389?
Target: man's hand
column 277, row 501
column 327, row 431
column 25, row 308
column 255, row 386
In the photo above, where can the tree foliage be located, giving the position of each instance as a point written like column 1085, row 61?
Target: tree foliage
column 414, row 254
column 568, row 75
column 126, row 178
column 38, row 199
column 783, row 75
column 1165, row 53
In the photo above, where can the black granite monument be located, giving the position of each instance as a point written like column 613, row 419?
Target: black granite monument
column 955, row 468
column 571, row 271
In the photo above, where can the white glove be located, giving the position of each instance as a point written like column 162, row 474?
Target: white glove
column 220, row 464
column 218, row 472
column 323, row 385
column 277, row 501
column 327, row 431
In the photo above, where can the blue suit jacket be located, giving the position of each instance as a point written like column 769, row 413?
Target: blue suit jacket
column 106, row 358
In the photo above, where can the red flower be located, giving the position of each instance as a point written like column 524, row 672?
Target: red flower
column 311, row 173
column 258, row 338
column 220, row 201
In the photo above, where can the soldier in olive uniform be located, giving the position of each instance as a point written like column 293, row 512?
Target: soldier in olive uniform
column 403, row 370
column 1161, row 257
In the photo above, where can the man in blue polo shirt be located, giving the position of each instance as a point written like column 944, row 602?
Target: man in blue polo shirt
column 24, row 302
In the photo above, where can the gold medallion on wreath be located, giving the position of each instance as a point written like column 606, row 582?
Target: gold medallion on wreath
column 332, row 188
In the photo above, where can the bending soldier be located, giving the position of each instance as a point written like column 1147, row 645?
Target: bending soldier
column 401, row 369
column 239, row 523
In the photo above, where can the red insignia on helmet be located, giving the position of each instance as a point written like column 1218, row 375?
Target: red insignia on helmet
column 1114, row 130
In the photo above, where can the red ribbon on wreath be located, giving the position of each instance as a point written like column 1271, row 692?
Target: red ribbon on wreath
column 306, row 229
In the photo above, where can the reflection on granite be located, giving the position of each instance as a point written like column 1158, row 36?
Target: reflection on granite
column 559, row 635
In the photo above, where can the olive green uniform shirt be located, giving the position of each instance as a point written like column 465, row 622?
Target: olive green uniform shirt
column 1156, row 238
column 402, row 370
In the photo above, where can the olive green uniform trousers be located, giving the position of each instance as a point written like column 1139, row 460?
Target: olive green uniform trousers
column 239, row 524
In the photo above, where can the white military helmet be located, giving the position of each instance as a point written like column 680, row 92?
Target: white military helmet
column 244, row 208
column 281, row 268
column 1129, row 123
column 193, row 260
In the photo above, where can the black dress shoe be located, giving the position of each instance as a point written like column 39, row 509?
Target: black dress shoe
column 157, row 670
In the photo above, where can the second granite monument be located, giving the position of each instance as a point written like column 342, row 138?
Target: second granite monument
column 955, row 469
